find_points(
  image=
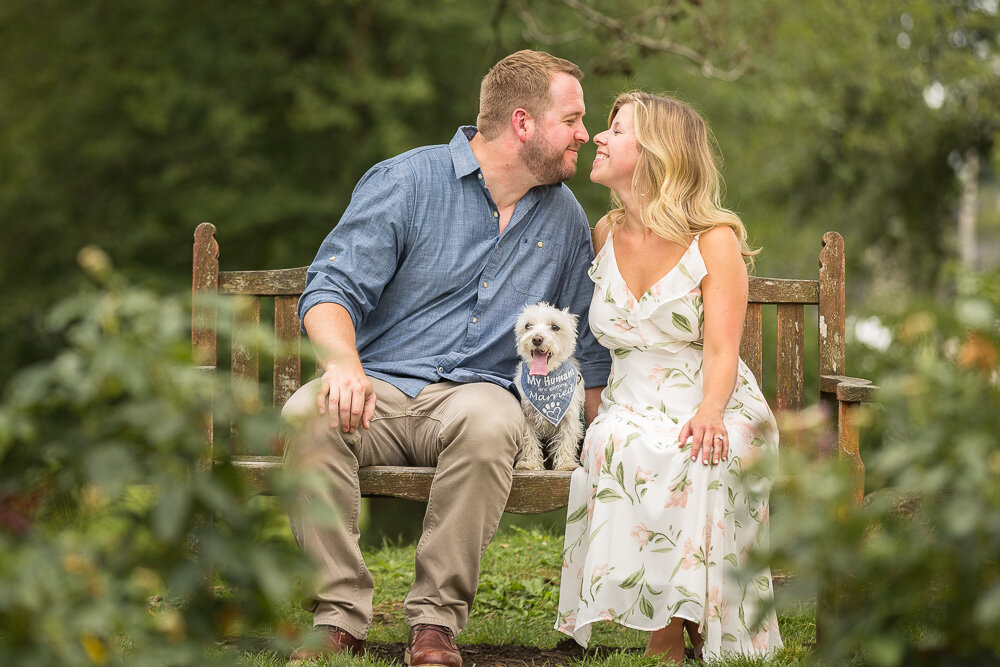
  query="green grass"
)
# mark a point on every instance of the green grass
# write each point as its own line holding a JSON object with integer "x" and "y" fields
{"x": 516, "y": 604}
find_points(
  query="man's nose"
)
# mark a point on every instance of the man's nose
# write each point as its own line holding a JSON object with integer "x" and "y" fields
{"x": 582, "y": 132}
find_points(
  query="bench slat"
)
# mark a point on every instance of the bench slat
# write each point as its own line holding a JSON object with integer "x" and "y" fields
{"x": 245, "y": 359}
{"x": 790, "y": 371}
{"x": 274, "y": 282}
{"x": 777, "y": 290}
{"x": 532, "y": 492}
{"x": 291, "y": 282}
{"x": 288, "y": 343}
{"x": 832, "y": 305}
{"x": 751, "y": 343}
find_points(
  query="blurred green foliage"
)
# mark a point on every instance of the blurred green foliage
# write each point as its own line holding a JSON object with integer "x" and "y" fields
{"x": 915, "y": 570}
{"x": 112, "y": 527}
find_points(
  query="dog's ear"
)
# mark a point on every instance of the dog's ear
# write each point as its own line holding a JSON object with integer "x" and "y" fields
{"x": 575, "y": 317}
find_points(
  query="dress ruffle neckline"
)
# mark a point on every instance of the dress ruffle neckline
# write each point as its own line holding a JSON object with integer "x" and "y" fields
{"x": 685, "y": 276}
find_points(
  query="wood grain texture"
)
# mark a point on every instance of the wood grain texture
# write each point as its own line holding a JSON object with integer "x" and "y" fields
{"x": 750, "y": 345}
{"x": 777, "y": 290}
{"x": 849, "y": 389}
{"x": 532, "y": 492}
{"x": 832, "y": 304}
{"x": 205, "y": 321}
{"x": 288, "y": 348}
{"x": 245, "y": 360}
{"x": 275, "y": 282}
{"x": 207, "y": 459}
{"x": 849, "y": 450}
{"x": 790, "y": 374}
{"x": 204, "y": 292}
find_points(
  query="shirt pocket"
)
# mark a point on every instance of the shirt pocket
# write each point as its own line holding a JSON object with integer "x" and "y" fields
{"x": 538, "y": 267}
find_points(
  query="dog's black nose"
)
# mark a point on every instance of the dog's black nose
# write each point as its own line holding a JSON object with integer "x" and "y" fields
{"x": 536, "y": 340}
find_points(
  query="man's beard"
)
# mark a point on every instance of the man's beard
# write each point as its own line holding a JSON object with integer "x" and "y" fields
{"x": 545, "y": 165}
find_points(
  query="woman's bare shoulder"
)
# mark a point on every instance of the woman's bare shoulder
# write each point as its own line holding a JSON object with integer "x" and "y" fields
{"x": 601, "y": 230}
{"x": 719, "y": 242}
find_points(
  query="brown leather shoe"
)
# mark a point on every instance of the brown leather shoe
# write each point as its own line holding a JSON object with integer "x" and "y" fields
{"x": 335, "y": 640}
{"x": 432, "y": 646}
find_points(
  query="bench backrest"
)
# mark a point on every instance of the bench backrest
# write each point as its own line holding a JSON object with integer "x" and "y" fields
{"x": 827, "y": 292}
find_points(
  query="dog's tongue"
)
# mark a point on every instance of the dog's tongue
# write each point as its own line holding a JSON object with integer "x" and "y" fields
{"x": 539, "y": 363}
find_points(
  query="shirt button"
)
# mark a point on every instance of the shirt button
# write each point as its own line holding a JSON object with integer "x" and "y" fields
{"x": 440, "y": 369}
{"x": 495, "y": 214}
{"x": 539, "y": 244}
{"x": 480, "y": 177}
{"x": 474, "y": 320}
{"x": 485, "y": 284}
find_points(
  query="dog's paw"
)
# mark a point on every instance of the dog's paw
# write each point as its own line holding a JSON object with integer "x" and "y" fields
{"x": 568, "y": 465}
{"x": 529, "y": 465}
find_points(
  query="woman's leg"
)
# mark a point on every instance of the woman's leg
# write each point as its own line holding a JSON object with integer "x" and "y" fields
{"x": 668, "y": 642}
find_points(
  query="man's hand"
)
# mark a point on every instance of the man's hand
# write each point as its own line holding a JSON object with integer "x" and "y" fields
{"x": 345, "y": 392}
{"x": 348, "y": 396}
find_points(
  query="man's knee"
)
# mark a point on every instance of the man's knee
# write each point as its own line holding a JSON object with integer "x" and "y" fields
{"x": 487, "y": 419}
{"x": 306, "y": 433}
{"x": 300, "y": 408}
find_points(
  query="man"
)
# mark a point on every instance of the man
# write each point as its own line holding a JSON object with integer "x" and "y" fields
{"x": 410, "y": 305}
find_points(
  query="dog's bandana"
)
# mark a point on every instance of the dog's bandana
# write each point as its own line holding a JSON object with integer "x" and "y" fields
{"x": 549, "y": 394}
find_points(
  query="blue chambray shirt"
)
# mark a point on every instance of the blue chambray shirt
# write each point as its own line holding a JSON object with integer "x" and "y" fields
{"x": 431, "y": 287}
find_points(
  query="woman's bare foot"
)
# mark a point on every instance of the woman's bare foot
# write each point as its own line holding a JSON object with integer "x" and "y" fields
{"x": 668, "y": 642}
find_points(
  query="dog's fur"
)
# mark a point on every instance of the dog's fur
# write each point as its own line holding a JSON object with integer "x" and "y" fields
{"x": 549, "y": 330}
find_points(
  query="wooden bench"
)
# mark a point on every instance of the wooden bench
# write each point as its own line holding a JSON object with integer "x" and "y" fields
{"x": 533, "y": 492}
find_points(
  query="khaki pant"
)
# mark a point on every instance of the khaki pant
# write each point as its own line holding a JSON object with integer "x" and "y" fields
{"x": 469, "y": 432}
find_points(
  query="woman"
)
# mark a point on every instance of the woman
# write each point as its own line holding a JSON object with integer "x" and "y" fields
{"x": 660, "y": 517}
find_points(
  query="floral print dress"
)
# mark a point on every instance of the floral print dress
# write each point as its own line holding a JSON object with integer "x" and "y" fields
{"x": 651, "y": 534}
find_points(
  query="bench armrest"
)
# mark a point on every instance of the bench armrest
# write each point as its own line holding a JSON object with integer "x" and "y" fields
{"x": 848, "y": 389}
{"x": 850, "y": 393}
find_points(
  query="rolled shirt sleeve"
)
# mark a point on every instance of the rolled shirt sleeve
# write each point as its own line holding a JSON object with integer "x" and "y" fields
{"x": 359, "y": 256}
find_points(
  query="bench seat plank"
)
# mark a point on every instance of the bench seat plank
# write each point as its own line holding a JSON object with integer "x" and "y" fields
{"x": 533, "y": 492}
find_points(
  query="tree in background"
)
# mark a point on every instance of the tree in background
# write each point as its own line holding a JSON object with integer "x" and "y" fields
{"x": 126, "y": 124}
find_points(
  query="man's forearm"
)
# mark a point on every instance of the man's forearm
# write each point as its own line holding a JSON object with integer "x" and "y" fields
{"x": 331, "y": 332}
{"x": 345, "y": 392}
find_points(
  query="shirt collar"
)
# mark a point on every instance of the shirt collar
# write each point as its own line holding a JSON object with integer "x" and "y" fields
{"x": 461, "y": 152}
{"x": 465, "y": 161}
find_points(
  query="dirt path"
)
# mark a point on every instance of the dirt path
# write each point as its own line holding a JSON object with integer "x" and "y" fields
{"x": 508, "y": 655}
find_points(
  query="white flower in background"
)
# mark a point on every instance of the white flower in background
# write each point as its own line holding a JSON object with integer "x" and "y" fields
{"x": 871, "y": 332}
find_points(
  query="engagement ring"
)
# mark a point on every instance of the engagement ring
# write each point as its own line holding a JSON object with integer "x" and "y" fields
{"x": 719, "y": 436}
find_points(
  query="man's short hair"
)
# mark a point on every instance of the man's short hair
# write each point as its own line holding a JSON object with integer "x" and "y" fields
{"x": 522, "y": 80}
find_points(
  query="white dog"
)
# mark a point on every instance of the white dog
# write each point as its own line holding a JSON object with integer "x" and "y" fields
{"x": 551, "y": 387}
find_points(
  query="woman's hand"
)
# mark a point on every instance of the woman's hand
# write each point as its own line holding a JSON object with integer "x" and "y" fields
{"x": 709, "y": 438}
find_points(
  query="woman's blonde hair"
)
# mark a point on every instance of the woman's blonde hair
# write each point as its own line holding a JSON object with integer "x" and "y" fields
{"x": 677, "y": 175}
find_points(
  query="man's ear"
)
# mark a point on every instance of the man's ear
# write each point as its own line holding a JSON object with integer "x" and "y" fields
{"x": 522, "y": 123}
